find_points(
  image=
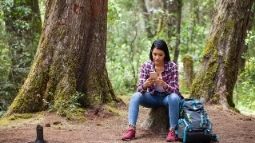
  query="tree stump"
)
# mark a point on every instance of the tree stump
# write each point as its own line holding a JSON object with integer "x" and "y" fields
{"x": 157, "y": 120}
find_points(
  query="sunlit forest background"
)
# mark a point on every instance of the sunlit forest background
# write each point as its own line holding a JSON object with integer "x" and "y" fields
{"x": 132, "y": 26}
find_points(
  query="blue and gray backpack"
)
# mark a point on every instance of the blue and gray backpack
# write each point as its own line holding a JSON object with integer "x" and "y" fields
{"x": 194, "y": 125}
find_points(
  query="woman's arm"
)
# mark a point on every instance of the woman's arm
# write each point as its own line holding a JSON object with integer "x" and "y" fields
{"x": 143, "y": 82}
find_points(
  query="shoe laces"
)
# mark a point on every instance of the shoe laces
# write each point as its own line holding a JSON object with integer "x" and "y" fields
{"x": 172, "y": 133}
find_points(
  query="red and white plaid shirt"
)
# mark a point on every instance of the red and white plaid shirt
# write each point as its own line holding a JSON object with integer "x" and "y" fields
{"x": 169, "y": 75}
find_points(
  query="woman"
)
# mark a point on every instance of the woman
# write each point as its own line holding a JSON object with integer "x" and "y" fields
{"x": 158, "y": 86}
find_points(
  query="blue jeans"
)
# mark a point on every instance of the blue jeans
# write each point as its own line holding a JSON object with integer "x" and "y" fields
{"x": 148, "y": 100}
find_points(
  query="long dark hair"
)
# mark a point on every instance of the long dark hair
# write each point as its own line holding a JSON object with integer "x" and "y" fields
{"x": 161, "y": 45}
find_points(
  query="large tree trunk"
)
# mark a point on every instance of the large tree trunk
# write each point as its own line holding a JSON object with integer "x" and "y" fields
{"x": 223, "y": 52}
{"x": 23, "y": 24}
{"x": 70, "y": 60}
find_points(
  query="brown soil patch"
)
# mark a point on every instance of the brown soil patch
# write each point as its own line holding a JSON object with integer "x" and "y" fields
{"x": 231, "y": 127}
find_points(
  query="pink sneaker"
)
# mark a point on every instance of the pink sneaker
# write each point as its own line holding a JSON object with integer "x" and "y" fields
{"x": 128, "y": 135}
{"x": 171, "y": 137}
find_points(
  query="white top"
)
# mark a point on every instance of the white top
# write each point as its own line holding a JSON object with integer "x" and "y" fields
{"x": 159, "y": 88}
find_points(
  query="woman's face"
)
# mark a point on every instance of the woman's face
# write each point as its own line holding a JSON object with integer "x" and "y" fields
{"x": 158, "y": 56}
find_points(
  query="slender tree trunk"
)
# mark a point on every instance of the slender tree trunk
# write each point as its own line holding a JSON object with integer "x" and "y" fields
{"x": 70, "y": 60}
{"x": 146, "y": 18}
{"x": 23, "y": 24}
{"x": 245, "y": 49}
{"x": 178, "y": 31}
{"x": 188, "y": 70}
{"x": 173, "y": 15}
{"x": 194, "y": 18}
{"x": 223, "y": 51}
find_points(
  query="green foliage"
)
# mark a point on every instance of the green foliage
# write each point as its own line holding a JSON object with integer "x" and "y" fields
{"x": 127, "y": 45}
{"x": 196, "y": 22}
{"x": 18, "y": 42}
{"x": 5, "y": 61}
{"x": 70, "y": 108}
{"x": 42, "y": 9}
{"x": 250, "y": 41}
{"x": 244, "y": 92}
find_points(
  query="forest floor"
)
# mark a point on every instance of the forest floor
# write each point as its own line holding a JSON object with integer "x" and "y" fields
{"x": 230, "y": 126}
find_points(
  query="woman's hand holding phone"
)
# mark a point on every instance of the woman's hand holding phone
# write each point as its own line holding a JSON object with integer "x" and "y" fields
{"x": 148, "y": 83}
{"x": 154, "y": 79}
{"x": 153, "y": 75}
{"x": 161, "y": 82}
{"x": 151, "y": 80}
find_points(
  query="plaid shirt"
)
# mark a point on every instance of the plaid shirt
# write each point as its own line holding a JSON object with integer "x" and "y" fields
{"x": 169, "y": 75}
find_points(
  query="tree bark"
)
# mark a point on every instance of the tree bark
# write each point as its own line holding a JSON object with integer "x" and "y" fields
{"x": 195, "y": 19}
{"x": 251, "y": 27}
{"x": 188, "y": 70}
{"x": 173, "y": 22}
{"x": 223, "y": 51}
{"x": 157, "y": 120}
{"x": 146, "y": 18}
{"x": 69, "y": 65}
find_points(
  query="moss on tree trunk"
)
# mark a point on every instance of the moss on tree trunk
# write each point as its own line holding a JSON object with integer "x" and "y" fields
{"x": 222, "y": 54}
{"x": 188, "y": 70}
{"x": 69, "y": 65}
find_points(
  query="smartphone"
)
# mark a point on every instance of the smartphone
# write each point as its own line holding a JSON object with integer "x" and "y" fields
{"x": 153, "y": 75}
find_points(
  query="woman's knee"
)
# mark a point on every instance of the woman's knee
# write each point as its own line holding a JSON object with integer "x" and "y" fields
{"x": 136, "y": 97}
{"x": 173, "y": 97}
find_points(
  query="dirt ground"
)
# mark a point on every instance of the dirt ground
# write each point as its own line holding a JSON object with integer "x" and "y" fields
{"x": 231, "y": 127}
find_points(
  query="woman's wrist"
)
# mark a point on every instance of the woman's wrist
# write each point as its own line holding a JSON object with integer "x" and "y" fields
{"x": 144, "y": 87}
{"x": 165, "y": 86}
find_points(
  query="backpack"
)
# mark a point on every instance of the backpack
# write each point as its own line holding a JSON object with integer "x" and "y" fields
{"x": 194, "y": 125}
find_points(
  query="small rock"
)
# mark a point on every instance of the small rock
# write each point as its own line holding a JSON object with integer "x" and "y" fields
{"x": 47, "y": 125}
{"x": 56, "y": 122}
